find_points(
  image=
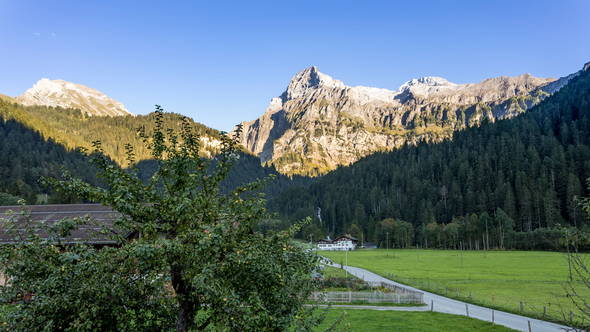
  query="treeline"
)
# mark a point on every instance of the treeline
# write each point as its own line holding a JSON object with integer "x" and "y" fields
{"x": 473, "y": 232}
{"x": 531, "y": 167}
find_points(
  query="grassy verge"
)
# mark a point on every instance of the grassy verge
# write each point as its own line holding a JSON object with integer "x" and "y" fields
{"x": 506, "y": 280}
{"x": 332, "y": 272}
{"x": 378, "y": 321}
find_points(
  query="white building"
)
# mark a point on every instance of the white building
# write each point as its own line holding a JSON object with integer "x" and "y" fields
{"x": 344, "y": 242}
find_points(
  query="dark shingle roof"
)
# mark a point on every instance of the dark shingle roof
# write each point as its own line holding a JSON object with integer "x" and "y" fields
{"x": 102, "y": 216}
{"x": 345, "y": 237}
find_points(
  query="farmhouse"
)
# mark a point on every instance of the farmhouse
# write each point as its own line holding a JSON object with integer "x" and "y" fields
{"x": 98, "y": 228}
{"x": 343, "y": 242}
{"x": 17, "y": 222}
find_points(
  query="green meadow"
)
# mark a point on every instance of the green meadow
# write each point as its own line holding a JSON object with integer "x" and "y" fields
{"x": 507, "y": 280}
{"x": 383, "y": 321}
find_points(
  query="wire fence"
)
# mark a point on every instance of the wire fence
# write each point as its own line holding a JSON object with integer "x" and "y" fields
{"x": 368, "y": 297}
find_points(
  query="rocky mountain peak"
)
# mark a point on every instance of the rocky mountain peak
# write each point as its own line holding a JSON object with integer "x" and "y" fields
{"x": 60, "y": 93}
{"x": 309, "y": 79}
{"x": 319, "y": 123}
{"x": 426, "y": 85}
{"x": 428, "y": 81}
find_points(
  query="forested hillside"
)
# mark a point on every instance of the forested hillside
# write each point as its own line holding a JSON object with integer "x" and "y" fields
{"x": 504, "y": 184}
{"x": 74, "y": 129}
{"x": 27, "y": 156}
{"x": 38, "y": 141}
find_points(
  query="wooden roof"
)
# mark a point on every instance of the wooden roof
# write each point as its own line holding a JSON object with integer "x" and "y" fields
{"x": 101, "y": 216}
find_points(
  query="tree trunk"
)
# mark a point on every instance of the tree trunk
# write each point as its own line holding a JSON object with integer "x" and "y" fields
{"x": 187, "y": 306}
{"x": 185, "y": 318}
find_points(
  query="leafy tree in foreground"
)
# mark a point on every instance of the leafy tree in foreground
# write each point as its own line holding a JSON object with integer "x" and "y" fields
{"x": 196, "y": 264}
{"x": 578, "y": 287}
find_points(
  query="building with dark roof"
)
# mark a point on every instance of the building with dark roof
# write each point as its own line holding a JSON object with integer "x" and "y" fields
{"x": 98, "y": 231}
{"x": 343, "y": 242}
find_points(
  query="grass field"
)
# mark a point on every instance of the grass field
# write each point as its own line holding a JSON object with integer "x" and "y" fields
{"x": 329, "y": 272}
{"x": 383, "y": 321}
{"x": 500, "y": 279}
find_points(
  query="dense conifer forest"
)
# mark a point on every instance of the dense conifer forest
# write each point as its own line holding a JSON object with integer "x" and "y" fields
{"x": 509, "y": 184}
{"x": 27, "y": 156}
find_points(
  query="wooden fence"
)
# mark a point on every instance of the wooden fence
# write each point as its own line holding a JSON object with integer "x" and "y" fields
{"x": 368, "y": 297}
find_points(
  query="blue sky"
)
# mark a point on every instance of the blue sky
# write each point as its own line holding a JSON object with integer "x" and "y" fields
{"x": 221, "y": 62}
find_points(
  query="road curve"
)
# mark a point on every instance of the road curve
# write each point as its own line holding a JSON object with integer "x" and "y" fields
{"x": 451, "y": 306}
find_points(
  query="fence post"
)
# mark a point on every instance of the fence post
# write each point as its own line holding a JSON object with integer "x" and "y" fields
{"x": 466, "y": 309}
{"x": 544, "y": 311}
{"x": 521, "y": 307}
{"x": 530, "y": 329}
{"x": 431, "y": 305}
{"x": 493, "y": 318}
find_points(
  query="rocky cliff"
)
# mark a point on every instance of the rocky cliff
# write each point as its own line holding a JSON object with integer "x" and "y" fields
{"x": 319, "y": 123}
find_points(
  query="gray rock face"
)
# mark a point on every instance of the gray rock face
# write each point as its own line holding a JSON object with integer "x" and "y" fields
{"x": 58, "y": 93}
{"x": 319, "y": 123}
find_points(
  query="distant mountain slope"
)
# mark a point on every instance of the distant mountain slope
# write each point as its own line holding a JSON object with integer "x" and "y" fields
{"x": 74, "y": 129}
{"x": 6, "y": 98}
{"x": 319, "y": 123}
{"x": 59, "y": 93}
{"x": 531, "y": 167}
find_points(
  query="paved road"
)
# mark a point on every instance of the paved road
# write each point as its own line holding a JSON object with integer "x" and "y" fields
{"x": 450, "y": 306}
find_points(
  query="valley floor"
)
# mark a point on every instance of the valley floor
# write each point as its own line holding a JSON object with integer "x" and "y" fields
{"x": 509, "y": 281}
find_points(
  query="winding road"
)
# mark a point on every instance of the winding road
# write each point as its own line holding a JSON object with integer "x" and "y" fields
{"x": 451, "y": 306}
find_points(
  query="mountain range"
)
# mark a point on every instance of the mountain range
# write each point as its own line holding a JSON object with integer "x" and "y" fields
{"x": 318, "y": 123}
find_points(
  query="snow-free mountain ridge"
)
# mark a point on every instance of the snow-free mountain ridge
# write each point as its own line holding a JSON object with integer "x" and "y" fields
{"x": 318, "y": 123}
{"x": 60, "y": 93}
